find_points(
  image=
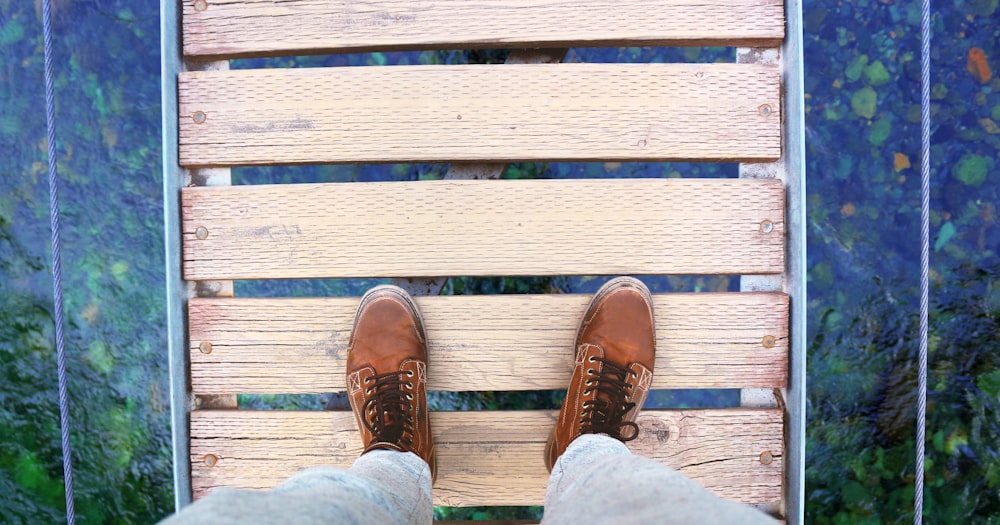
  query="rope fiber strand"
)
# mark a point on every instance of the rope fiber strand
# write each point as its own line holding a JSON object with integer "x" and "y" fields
{"x": 925, "y": 197}
{"x": 57, "y": 293}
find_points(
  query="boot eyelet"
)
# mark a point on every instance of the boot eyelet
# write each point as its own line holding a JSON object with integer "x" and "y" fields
{"x": 409, "y": 397}
{"x": 591, "y": 359}
{"x": 409, "y": 385}
{"x": 409, "y": 373}
{"x": 586, "y": 392}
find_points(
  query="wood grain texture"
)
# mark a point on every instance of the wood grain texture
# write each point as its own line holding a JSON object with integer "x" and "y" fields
{"x": 244, "y": 28}
{"x": 470, "y": 171}
{"x": 494, "y": 113}
{"x": 489, "y": 458}
{"x": 483, "y": 227}
{"x": 499, "y": 342}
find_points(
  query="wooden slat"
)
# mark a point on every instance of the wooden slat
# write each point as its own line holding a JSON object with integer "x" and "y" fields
{"x": 525, "y": 112}
{"x": 500, "y": 342}
{"x": 240, "y": 28}
{"x": 489, "y": 458}
{"x": 484, "y": 227}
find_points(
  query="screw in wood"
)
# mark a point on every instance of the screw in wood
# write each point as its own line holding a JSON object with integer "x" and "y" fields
{"x": 766, "y": 226}
{"x": 765, "y": 110}
{"x": 199, "y": 117}
{"x": 766, "y": 458}
{"x": 210, "y": 460}
{"x": 201, "y": 233}
{"x": 200, "y": 5}
{"x": 766, "y": 342}
{"x": 205, "y": 347}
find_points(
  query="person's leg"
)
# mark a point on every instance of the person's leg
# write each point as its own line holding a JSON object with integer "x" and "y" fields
{"x": 595, "y": 479}
{"x": 598, "y": 480}
{"x": 383, "y": 486}
{"x": 391, "y": 481}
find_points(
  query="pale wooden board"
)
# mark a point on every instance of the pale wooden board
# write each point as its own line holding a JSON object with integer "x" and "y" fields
{"x": 240, "y": 28}
{"x": 499, "y": 342}
{"x": 484, "y": 227}
{"x": 489, "y": 458}
{"x": 496, "y": 113}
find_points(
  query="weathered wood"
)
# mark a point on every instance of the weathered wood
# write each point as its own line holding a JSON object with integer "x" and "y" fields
{"x": 499, "y": 342}
{"x": 495, "y": 113}
{"x": 475, "y": 171}
{"x": 241, "y": 28}
{"x": 489, "y": 458}
{"x": 484, "y": 227}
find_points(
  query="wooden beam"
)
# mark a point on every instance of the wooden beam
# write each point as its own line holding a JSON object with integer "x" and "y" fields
{"x": 484, "y": 227}
{"x": 489, "y": 458}
{"x": 499, "y": 342}
{"x": 486, "y": 113}
{"x": 247, "y": 28}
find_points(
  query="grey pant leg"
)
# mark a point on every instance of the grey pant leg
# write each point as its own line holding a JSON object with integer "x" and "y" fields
{"x": 598, "y": 480}
{"x": 383, "y": 486}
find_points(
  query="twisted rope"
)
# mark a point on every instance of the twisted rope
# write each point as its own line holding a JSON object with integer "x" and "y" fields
{"x": 57, "y": 292}
{"x": 925, "y": 197}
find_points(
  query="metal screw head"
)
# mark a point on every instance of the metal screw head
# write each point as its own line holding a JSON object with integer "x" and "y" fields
{"x": 766, "y": 226}
{"x": 210, "y": 459}
{"x": 201, "y": 233}
{"x": 200, "y": 5}
{"x": 199, "y": 117}
{"x": 766, "y": 342}
{"x": 766, "y": 458}
{"x": 205, "y": 347}
{"x": 765, "y": 110}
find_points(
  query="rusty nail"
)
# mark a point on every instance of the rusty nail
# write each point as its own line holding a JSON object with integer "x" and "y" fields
{"x": 766, "y": 458}
{"x": 766, "y": 226}
{"x": 460, "y": 117}
{"x": 199, "y": 117}
{"x": 766, "y": 342}
{"x": 201, "y": 233}
{"x": 205, "y": 347}
{"x": 764, "y": 110}
{"x": 210, "y": 459}
{"x": 200, "y": 5}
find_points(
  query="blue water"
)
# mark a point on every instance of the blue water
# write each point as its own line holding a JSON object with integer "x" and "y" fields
{"x": 862, "y": 88}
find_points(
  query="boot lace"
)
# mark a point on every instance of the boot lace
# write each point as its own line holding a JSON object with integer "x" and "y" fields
{"x": 387, "y": 408}
{"x": 605, "y": 413}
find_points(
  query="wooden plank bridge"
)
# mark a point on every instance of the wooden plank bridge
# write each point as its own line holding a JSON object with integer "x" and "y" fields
{"x": 479, "y": 117}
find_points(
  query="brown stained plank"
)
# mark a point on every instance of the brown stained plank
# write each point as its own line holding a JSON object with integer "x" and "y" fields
{"x": 241, "y": 28}
{"x": 484, "y": 227}
{"x": 485, "y": 113}
{"x": 489, "y": 458}
{"x": 500, "y": 342}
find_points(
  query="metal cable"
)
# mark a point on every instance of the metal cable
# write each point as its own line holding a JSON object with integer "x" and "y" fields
{"x": 925, "y": 197}
{"x": 57, "y": 293}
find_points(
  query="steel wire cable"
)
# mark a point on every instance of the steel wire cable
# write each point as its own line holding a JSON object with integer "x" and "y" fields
{"x": 57, "y": 289}
{"x": 925, "y": 197}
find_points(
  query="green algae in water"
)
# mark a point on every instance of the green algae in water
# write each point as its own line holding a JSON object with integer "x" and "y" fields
{"x": 856, "y": 67}
{"x": 876, "y": 74}
{"x": 864, "y": 101}
{"x": 971, "y": 169}
{"x": 879, "y": 132}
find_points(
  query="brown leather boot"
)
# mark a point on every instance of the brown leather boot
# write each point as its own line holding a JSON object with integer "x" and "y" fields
{"x": 615, "y": 351}
{"x": 387, "y": 374}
